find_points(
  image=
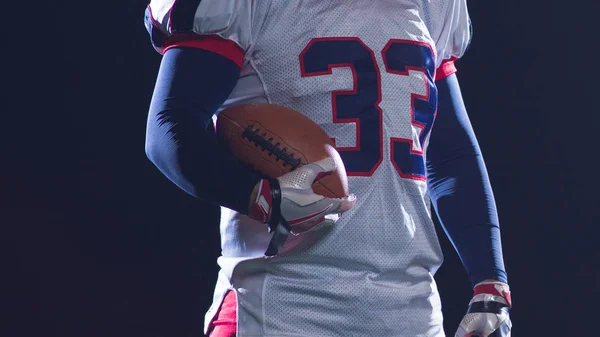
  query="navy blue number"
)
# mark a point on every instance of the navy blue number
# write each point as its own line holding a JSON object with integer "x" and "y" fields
{"x": 361, "y": 105}
{"x": 399, "y": 57}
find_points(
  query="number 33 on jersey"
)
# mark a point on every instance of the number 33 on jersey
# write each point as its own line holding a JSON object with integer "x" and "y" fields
{"x": 361, "y": 105}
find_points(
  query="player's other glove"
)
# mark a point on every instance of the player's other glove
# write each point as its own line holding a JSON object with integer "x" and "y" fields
{"x": 289, "y": 205}
{"x": 488, "y": 313}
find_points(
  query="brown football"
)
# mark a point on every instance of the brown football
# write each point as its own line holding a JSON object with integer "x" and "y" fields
{"x": 275, "y": 140}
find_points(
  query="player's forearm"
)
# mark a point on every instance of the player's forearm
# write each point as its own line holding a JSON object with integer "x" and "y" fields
{"x": 465, "y": 206}
{"x": 198, "y": 166}
{"x": 190, "y": 86}
{"x": 460, "y": 188}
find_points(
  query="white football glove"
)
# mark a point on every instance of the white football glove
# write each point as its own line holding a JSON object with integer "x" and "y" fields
{"x": 289, "y": 205}
{"x": 488, "y": 313}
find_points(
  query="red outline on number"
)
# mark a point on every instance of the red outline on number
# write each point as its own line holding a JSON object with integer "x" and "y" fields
{"x": 413, "y": 96}
{"x": 410, "y": 144}
{"x": 350, "y": 92}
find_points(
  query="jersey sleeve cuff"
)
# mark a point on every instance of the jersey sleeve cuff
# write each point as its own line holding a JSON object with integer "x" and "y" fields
{"x": 445, "y": 69}
{"x": 213, "y": 43}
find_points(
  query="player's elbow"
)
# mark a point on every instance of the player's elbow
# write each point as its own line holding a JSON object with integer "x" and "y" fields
{"x": 152, "y": 152}
{"x": 156, "y": 148}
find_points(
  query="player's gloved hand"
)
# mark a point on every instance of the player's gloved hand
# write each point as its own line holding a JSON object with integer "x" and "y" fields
{"x": 288, "y": 203}
{"x": 488, "y": 313}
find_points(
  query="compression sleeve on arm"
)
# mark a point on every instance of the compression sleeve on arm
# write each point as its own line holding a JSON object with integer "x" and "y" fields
{"x": 460, "y": 188}
{"x": 191, "y": 85}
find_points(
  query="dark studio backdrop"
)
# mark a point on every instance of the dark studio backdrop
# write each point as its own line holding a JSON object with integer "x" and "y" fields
{"x": 104, "y": 246}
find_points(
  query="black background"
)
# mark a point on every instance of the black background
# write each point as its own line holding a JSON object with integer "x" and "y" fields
{"x": 101, "y": 244}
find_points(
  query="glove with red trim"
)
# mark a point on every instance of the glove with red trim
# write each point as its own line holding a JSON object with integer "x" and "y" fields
{"x": 488, "y": 313}
{"x": 289, "y": 205}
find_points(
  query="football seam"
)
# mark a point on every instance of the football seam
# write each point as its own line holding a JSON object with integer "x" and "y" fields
{"x": 253, "y": 135}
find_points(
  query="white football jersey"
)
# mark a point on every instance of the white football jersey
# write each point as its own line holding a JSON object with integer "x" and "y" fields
{"x": 364, "y": 70}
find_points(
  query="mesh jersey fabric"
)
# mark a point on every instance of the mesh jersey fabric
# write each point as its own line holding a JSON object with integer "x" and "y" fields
{"x": 372, "y": 273}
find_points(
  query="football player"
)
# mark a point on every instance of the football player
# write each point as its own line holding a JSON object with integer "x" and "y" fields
{"x": 374, "y": 74}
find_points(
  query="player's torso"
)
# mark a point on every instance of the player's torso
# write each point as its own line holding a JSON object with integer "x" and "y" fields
{"x": 363, "y": 70}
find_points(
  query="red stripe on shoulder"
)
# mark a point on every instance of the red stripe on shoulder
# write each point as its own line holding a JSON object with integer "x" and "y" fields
{"x": 445, "y": 69}
{"x": 213, "y": 43}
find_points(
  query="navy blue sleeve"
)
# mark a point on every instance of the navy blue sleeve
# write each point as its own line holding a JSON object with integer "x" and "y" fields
{"x": 460, "y": 188}
{"x": 191, "y": 85}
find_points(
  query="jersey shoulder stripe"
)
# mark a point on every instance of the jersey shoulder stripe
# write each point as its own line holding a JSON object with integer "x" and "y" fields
{"x": 221, "y": 26}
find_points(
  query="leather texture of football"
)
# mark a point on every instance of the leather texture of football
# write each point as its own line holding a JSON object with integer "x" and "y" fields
{"x": 275, "y": 140}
